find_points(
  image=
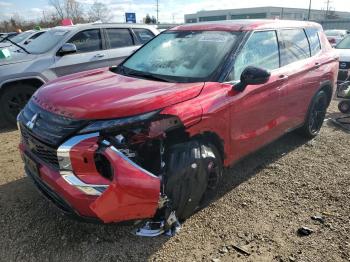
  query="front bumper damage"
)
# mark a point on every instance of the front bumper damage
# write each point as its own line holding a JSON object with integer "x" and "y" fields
{"x": 78, "y": 189}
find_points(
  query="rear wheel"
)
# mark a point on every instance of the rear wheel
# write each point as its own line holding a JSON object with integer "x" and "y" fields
{"x": 316, "y": 115}
{"x": 193, "y": 173}
{"x": 344, "y": 107}
{"x": 12, "y": 101}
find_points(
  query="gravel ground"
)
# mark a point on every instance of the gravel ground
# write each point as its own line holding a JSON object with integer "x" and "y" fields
{"x": 264, "y": 200}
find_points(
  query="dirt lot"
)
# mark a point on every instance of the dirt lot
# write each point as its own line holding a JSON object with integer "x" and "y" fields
{"x": 262, "y": 203}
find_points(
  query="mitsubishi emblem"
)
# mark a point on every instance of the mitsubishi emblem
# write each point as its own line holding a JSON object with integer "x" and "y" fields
{"x": 30, "y": 124}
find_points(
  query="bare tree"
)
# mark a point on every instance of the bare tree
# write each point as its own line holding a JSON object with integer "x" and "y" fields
{"x": 59, "y": 7}
{"x": 99, "y": 11}
{"x": 68, "y": 9}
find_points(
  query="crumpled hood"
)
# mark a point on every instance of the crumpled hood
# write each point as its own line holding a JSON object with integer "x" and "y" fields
{"x": 101, "y": 94}
{"x": 17, "y": 57}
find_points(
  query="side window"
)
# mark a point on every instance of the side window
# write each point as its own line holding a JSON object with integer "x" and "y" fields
{"x": 119, "y": 37}
{"x": 294, "y": 46}
{"x": 87, "y": 41}
{"x": 312, "y": 35}
{"x": 261, "y": 50}
{"x": 35, "y": 35}
{"x": 143, "y": 35}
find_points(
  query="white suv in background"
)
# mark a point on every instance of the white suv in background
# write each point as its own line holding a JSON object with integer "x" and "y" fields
{"x": 61, "y": 51}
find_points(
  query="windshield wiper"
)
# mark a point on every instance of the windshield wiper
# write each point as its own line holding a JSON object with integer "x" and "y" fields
{"x": 14, "y": 43}
{"x": 146, "y": 75}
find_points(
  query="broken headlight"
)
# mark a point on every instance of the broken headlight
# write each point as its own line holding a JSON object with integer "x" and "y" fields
{"x": 112, "y": 124}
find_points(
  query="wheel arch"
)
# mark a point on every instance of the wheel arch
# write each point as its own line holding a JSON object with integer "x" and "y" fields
{"x": 213, "y": 138}
{"x": 33, "y": 81}
{"x": 328, "y": 88}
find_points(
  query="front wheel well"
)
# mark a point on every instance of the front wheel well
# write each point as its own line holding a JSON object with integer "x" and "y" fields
{"x": 329, "y": 92}
{"x": 214, "y": 139}
{"x": 34, "y": 82}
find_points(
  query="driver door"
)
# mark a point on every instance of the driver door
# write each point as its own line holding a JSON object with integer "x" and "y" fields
{"x": 90, "y": 54}
{"x": 256, "y": 112}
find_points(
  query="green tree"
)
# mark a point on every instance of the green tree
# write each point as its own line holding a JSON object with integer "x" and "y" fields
{"x": 148, "y": 19}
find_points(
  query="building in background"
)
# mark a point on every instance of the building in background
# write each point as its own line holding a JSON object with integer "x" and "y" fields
{"x": 270, "y": 12}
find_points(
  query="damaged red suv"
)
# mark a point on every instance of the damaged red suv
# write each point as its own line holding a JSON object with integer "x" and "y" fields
{"x": 149, "y": 139}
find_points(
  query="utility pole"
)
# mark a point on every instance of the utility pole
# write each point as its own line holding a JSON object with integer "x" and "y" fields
{"x": 157, "y": 11}
{"x": 309, "y": 14}
{"x": 328, "y": 2}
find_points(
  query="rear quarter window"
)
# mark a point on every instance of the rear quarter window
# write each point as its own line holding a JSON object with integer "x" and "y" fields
{"x": 294, "y": 46}
{"x": 314, "y": 40}
{"x": 143, "y": 35}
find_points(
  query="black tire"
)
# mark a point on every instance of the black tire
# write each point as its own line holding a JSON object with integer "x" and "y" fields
{"x": 316, "y": 115}
{"x": 12, "y": 101}
{"x": 189, "y": 168}
{"x": 344, "y": 107}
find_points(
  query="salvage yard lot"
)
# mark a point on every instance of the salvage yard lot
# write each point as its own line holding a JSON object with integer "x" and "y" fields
{"x": 264, "y": 200}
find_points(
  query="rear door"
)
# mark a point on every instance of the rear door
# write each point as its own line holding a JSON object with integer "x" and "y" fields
{"x": 303, "y": 73}
{"x": 91, "y": 53}
{"x": 120, "y": 44}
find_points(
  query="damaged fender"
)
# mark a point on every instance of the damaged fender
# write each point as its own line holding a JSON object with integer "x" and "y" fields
{"x": 133, "y": 193}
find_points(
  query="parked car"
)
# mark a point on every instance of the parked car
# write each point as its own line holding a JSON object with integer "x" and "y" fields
{"x": 335, "y": 36}
{"x": 61, "y": 51}
{"x": 150, "y": 138}
{"x": 21, "y": 39}
{"x": 9, "y": 35}
{"x": 343, "y": 50}
{"x": 343, "y": 92}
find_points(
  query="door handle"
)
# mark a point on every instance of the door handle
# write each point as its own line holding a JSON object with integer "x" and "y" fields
{"x": 317, "y": 65}
{"x": 282, "y": 77}
{"x": 99, "y": 55}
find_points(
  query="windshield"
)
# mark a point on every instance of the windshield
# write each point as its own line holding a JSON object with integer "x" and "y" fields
{"x": 344, "y": 44}
{"x": 46, "y": 41}
{"x": 20, "y": 37}
{"x": 184, "y": 56}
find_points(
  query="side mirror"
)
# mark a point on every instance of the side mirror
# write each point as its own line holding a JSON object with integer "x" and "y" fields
{"x": 252, "y": 75}
{"x": 67, "y": 48}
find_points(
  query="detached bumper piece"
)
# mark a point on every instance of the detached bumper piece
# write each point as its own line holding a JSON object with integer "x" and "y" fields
{"x": 156, "y": 228}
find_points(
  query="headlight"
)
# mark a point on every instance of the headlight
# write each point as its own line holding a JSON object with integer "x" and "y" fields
{"x": 110, "y": 125}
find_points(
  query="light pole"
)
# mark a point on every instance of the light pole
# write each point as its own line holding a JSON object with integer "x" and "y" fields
{"x": 309, "y": 14}
{"x": 157, "y": 11}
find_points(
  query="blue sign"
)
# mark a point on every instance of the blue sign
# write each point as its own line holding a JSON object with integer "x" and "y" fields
{"x": 130, "y": 17}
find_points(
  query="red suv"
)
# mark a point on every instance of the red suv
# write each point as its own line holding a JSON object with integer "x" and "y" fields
{"x": 151, "y": 136}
